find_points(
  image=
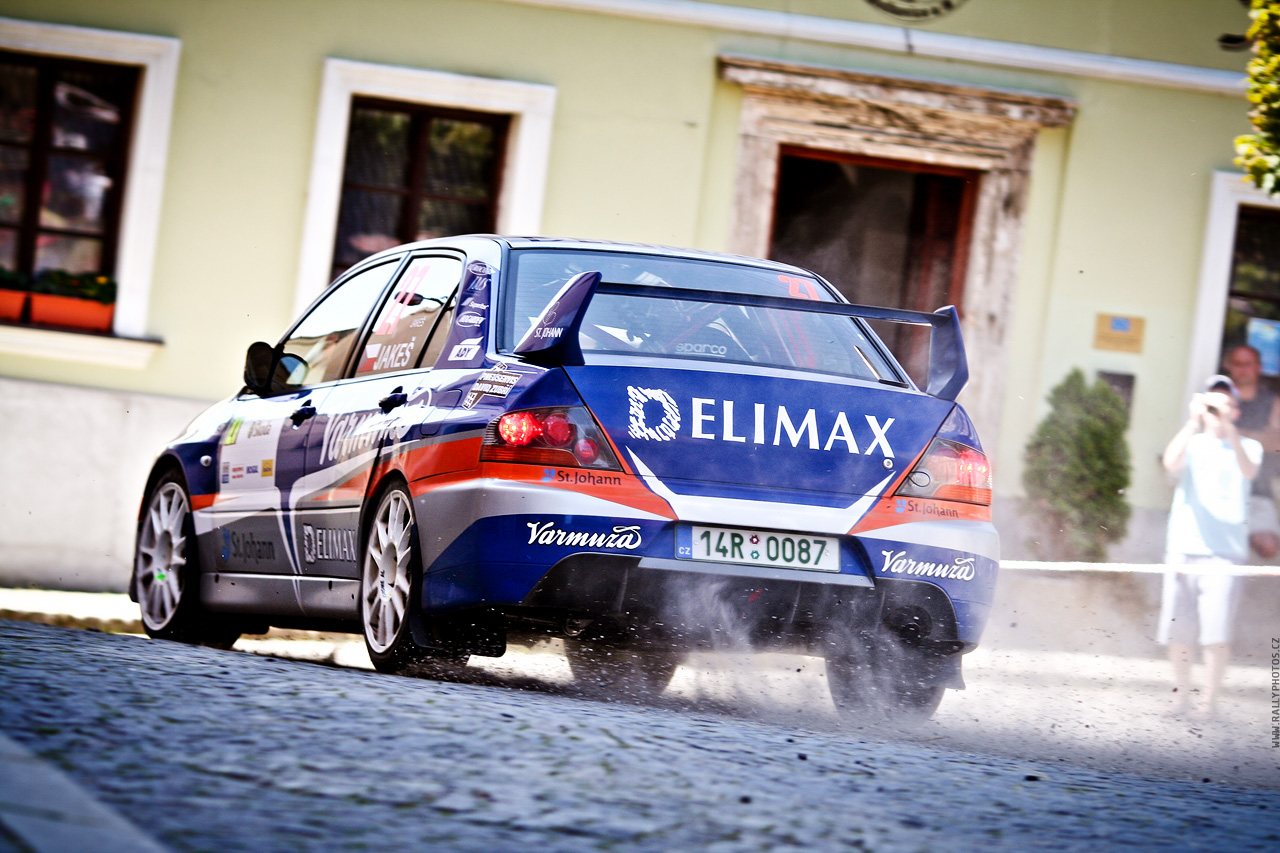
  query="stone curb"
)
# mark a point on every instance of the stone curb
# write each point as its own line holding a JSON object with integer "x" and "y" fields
{"x": 49, "y": 813}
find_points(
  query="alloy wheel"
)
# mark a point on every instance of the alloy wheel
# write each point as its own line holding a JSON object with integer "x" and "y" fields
{"x": 387, "y": 573}
{"x": 162, "y": 556}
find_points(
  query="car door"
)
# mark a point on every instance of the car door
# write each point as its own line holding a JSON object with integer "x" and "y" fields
{"x": 262, "y": 452}
{"x": 388, "y": 393}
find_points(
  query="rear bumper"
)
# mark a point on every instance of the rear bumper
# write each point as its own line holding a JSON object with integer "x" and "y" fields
{"x": 565, "y": 560}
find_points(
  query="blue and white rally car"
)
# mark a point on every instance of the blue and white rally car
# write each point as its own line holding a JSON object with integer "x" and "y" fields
{"x": 642, "y": 451}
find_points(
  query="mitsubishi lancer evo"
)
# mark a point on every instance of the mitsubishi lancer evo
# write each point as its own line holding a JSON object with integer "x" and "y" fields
{"x": 643, "y": 451}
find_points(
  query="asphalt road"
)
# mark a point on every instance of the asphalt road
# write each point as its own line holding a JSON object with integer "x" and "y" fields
{"x": 212, "y": 750}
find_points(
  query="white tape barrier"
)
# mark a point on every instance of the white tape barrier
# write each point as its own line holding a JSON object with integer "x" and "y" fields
{"x": 1148, "y": 568}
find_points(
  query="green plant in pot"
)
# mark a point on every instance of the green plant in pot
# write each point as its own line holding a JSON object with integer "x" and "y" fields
{"x": 76, "y": 301}
{"x": 95, "y": 287}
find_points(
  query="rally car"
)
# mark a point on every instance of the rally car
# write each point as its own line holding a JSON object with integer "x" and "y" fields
{"x": 470, "y": 441}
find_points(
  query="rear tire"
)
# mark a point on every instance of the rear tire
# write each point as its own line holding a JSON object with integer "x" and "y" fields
{"x": 391, "y": 590}
{"x": 645, "y": 673}
{"x": 166, "y": 571}
{"x": 879, "y": 678}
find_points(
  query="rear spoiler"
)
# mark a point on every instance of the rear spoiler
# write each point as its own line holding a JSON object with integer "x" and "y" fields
{"x": 553, "y": 338}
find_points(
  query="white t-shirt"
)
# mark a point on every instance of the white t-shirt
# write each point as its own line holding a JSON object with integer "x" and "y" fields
{"x": 1210, "y": 513}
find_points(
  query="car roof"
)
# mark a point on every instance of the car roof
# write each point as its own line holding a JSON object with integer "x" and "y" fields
{"x": 587, "y": 245}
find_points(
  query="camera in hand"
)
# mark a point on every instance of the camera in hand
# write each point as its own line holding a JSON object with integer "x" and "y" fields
{"x": 1213, "y": 410}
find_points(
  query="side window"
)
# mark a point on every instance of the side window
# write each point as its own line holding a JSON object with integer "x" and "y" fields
{"x": 441, "y": 335}
{"x": 405, "y": 322}
{"x": 323, "y": 340}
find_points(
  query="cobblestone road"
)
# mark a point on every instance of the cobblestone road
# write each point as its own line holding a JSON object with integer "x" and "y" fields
{"x": 210, "y": 750}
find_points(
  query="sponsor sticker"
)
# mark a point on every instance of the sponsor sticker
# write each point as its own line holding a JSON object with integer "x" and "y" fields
{"x": 328, "y": 543}
{"x": 233, "y": 431}
{"x": 654, "y": 415}
{"x": 903, "y": 505}
{"x": 497, "y": 382}
{"x": 246, "y": 548}
{"x": 349, "y": 435}
{"x": 625, "y": 537}
{"x": 469, "y": 320}
{"x": 579, "y": 478}
{"x": 257, "y": 428}
{"x": 268, "y": 467}
{"x": 898, "y": 563}
{"x": 465, "y": 350}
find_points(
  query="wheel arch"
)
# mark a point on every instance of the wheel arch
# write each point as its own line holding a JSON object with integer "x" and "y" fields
{"x": 167, "y": 464}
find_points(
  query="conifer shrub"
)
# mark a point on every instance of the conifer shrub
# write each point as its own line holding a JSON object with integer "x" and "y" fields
{"x": 1076, "y": 473}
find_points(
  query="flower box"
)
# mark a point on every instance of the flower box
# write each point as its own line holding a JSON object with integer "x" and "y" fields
{"x": 11, "y": 304}
{"x": 70, "y": 312}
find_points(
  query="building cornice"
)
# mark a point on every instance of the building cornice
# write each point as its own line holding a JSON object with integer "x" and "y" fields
{"x": 913, "y": 42}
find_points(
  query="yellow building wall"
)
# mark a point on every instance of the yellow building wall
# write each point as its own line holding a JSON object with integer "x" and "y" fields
{"x": 644, "y": 147}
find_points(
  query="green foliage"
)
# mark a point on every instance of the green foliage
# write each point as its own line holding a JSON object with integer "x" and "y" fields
{"x": 1259, "y": 153}
{"x": 1076, "y": 473}
{"x": 11, "y": 280}
{"x": 91, "y": 285}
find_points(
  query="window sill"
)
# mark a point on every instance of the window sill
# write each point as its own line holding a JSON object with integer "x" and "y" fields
{"x": 105, "y": 350}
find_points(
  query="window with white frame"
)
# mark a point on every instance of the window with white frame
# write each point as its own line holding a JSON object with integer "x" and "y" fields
{"x": 106, "y": 112}
{"x": 495, "y": 136}
{"x": 413, "y": 172}
{"x": 1239, "y": 294}
{"x": 64, "y": 136}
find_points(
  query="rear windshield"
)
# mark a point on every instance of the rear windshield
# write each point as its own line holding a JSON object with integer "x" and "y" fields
{"x": 669, "y": 326}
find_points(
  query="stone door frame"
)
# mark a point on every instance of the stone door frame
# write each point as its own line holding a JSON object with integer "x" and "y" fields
{"x": 992, "y": 132}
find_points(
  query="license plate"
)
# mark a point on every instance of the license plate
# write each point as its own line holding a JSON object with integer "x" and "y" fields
{"x": 759, "y": 548}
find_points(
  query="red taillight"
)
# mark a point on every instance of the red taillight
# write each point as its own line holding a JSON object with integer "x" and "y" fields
{"x": 950, "y": 471}
{"x": 519, "y": 429}
{"x": 557, "y": 429}
{"x": 587, "y": 451}
{"x": 561, "y": 437}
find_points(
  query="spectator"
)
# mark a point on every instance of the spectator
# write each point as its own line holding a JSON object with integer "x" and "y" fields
{"x": 1208, "y": 530}
{"x": 1260, "y": 420}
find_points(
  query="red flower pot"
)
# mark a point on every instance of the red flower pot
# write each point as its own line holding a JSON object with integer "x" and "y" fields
{"x": 11, "y": 304}
{"x": 71, "y": 313}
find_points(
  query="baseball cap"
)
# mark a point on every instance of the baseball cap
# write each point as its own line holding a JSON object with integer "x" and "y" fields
{"x": 1219, "y": 382}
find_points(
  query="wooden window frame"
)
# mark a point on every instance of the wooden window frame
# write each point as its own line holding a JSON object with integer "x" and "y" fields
{"x": 415, "y": 192}
{"x": 131, "y": 345}
{"x": 531, "y": 107}
{"x": 42, "y": 149}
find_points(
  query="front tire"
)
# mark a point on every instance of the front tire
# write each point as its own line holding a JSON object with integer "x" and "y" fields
{"x": 390, "y": 589}
{"x": 166, "y": 571}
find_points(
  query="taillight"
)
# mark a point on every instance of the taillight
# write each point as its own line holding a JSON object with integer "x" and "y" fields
{"x": 562, "y": 437}
{"x": 950, "y": 471}
{"x": 519, "y": 429}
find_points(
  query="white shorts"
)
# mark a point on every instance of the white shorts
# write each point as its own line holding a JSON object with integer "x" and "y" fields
{"x": 1198, "y": 608}
{"x": 1262, "y": 519}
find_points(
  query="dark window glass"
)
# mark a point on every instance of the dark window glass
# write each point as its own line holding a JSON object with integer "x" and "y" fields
{"x": 405, "y": 322}
{"x": 883, "y": 232}
{"x": 436, "y": 345}
{"x": 1253, "y": 302}
{"x": 322, "y": 341}
{"x": 667, "y": 325}
{"x": 414, "y": 172}
{"x": 64, "y": 138}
